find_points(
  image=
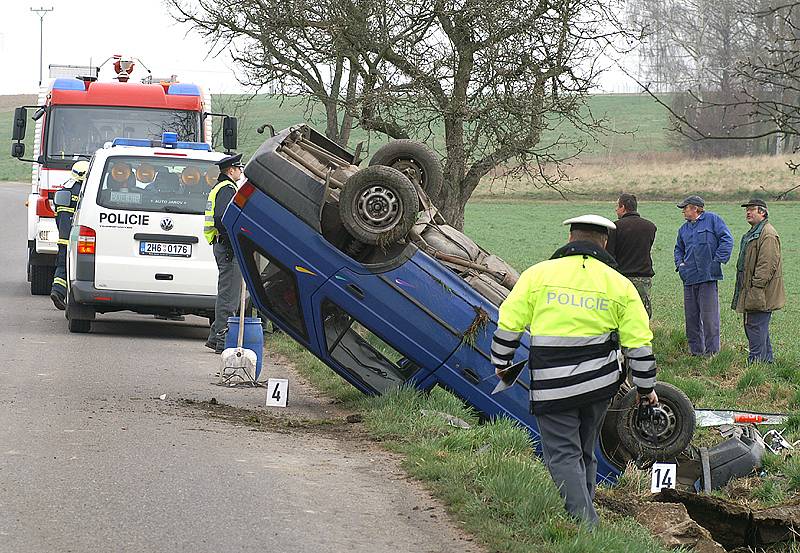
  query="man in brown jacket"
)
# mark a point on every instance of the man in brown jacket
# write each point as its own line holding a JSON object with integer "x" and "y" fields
{"x": 759, "y": 280}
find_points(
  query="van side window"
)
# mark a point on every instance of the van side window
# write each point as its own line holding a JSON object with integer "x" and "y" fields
{"x": 277, "y": 289}
{"x": 361, "y": 352}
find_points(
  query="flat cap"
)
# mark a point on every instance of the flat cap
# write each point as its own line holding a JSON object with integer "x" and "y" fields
{"x": 590, "y": 222}
{"x": 230, "y": 161}
{"x": 758, "y": 202}
{"x": 692, "y": 200}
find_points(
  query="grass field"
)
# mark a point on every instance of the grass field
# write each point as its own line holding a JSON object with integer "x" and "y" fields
{"x": 524, "y": 233}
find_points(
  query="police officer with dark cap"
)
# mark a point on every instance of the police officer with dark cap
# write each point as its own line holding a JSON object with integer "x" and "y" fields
{"x": 229, "y": 281}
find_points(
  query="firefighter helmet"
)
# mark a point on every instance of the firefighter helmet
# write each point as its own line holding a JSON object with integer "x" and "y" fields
{"x": 79, "y": 170}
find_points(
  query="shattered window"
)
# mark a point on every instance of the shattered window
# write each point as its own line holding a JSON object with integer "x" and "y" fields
{"x": 364, "y": 354}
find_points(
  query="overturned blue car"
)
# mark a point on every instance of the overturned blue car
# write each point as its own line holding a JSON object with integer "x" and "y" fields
{"x": 360, "y": 268}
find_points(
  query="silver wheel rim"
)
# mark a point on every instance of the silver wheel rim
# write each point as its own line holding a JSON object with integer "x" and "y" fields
{"x": 378, "y": 208}
{"x": 662, "y": 432}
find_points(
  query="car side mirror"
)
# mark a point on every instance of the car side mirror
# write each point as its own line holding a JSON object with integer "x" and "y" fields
{"x": 20, "y": 125}
{"x": 229, "y": 133}
{"x": 17, "y": 149}
{"x": 62, "y": 198}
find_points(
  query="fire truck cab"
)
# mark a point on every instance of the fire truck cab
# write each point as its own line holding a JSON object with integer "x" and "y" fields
{"x": 77, "y": 115}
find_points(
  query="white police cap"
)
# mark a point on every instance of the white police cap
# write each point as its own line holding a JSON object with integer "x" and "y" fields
{"x": 591, "y": 221}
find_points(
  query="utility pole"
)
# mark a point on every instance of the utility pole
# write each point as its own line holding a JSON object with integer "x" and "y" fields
{"x": 41, "y": 12}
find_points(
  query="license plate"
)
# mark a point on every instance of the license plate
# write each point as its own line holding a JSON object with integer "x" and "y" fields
{"x": 165, "y": 248}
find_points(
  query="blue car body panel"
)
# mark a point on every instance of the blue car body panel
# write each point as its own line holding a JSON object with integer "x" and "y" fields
{"x": 420, "y": 307}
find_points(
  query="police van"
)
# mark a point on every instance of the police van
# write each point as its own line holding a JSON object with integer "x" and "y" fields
{"x": 137, "y": 235}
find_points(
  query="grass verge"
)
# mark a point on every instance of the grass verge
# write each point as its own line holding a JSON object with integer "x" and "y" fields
{"x": 487, "y": 475}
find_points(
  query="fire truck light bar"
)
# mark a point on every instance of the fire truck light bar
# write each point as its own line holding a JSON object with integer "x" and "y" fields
{"x": 68, "y": 84}
{"x": 183, "y": 89}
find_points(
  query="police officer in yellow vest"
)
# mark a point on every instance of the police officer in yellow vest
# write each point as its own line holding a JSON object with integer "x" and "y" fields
{"x": 64, "y": 215}
{"x": 581, "y": 312}
{"x": 229, "y": 281}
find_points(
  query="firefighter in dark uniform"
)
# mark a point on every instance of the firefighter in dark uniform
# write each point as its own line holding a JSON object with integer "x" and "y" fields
{"x": 229, "y": 280}
{"x": 64, "y": 214}
{"x": 582, "y": 316}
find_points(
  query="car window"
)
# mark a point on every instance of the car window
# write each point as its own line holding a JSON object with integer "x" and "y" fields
{"x": 171, "y": 185}
{"x": 277, "y": 289}
{"x": 362, "y": 352}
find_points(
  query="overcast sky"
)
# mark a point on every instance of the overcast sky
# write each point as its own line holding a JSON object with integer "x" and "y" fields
{"x": 78, "y": 31}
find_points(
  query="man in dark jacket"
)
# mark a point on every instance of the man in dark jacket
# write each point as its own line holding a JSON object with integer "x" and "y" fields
{"x": 759, "y": 280}
{"x": 630, "y": 245}
{"x": 704, "y": 243}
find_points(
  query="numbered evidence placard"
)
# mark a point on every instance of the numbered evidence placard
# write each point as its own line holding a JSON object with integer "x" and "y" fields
{"x": 663, "y": 476}
{"x": 277, "y": 392}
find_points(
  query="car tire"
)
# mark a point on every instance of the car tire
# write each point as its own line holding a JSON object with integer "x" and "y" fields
{"x": 41, "y": 279}
{"x": 677, "y": 435}
{"x": 76, "y": 325}
{"x": 378, "y": 205}
{"x": 79, "y": 326}
{"x": 416, "y": 160}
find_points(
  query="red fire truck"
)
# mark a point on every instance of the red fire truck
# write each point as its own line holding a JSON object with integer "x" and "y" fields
{"x": 79, "y": 114}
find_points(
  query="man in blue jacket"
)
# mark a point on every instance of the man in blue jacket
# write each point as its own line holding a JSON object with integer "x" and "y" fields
{"x": 704, "y": 244}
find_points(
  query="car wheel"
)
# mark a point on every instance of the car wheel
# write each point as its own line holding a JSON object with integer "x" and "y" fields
{"x": 41, "y": 279}
{"x": 378, "y": 205}
{"x": 74, "y": 324}
{"x": 417, "y": 161}
{"x": 669, "y": 434}
{"x": 81, "y": 326}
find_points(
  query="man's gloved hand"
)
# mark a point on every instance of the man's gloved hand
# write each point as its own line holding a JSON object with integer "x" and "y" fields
{"x": 651, "y": 398}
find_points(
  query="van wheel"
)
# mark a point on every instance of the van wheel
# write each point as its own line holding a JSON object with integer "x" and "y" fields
{"x": 80, "y": 326}
{"x": 378, "y": 205}
{"x": 670, "y": 434}
{"x": 416, "y": 160}
{"x": 75, "y": 324}
{"x": 41, "y": 279}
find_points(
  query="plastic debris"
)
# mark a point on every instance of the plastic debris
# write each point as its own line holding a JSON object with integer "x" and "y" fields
{"x": 451, "y": 420}
{"x": 712, "y": 417}
{"x": 776, "y": 443}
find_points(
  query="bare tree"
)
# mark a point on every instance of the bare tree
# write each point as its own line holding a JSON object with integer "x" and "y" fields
{"x": 491, "y": 77}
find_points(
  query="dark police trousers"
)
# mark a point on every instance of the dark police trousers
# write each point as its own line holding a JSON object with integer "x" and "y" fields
{"x": 568, "y": 441}
{"x": 229, "y": 286}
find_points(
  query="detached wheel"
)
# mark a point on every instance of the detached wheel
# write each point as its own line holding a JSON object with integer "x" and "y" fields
{"x": 416, "y": 160}
{"x": 378, "y": 205}
{"x": 668, "y": 433}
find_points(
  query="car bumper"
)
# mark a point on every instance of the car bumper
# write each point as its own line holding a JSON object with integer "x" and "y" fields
{"x": 84, "y": 292}
{"x": 46, "y": 237}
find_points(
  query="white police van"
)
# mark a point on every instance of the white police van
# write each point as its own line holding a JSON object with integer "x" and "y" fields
{"x": 137, "y": 235}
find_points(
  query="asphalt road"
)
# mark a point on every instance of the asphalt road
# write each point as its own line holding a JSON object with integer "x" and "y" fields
{"x": 91, "y": 459}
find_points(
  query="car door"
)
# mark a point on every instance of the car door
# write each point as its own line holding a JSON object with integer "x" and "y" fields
{"x": 381, "y": 328}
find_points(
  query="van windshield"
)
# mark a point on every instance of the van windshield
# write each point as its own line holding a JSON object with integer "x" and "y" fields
{"x": 171, "y": 185}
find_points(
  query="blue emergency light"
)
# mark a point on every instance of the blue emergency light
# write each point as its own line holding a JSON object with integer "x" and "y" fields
{"x": 64, "y": 83}
{"x": 168, "y": 140}
{"x": 183, "y": 89}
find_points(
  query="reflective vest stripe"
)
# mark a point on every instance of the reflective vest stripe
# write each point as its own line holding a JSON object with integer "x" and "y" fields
{"x": 582, "y": 368}
{"x": 570, "y": 341}
{"x": 63, "y": 242}
{"x": 60, "y": 281}
{"x": 567, "y": 392}
{"x": 209, "y": 230}
{"x": 642, "y": 363}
